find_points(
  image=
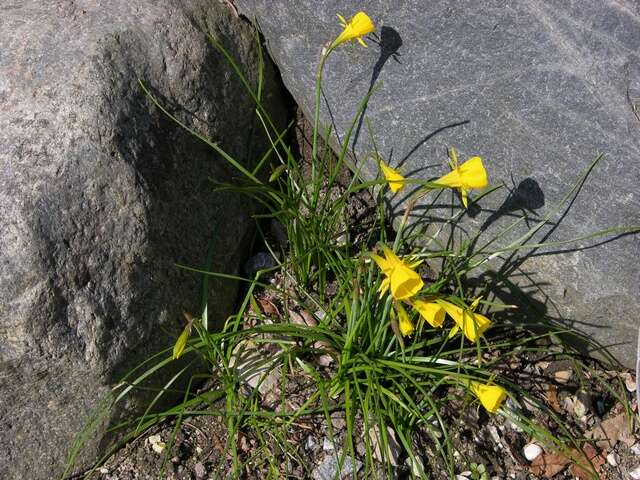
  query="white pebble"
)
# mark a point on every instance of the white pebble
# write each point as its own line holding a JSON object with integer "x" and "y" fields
{"x": 635, "y": 473}
{"x": 159, "y": 447}
{"x": 327, "y": 445}
{"x": 532, "y": 451}
{"x": 495, "y": 436}
{"x": 579, "y": 408}
{"x": 636, "y": 449}
{"x": 157, "y": 444}
{"x": 612, "y": 459}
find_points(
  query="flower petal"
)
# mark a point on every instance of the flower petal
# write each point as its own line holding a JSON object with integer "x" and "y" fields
{"x": 473, "y": 325}
{"x": 404, "y": 322}
{"x": 359, "y": 25}
{"x": 431, "y": 312}
{"x": 491, "y": 396}
{"x": 451, "y": 179}
{"x": 392, "y": 259}
{"x": 405, "y": 283}
{"x": 395, "y": 180}
{"x": 473, "y": 173}
{"x": 464, "y": 193}
{"x": 384, "y": 286}
{"x": 383, "y": 263}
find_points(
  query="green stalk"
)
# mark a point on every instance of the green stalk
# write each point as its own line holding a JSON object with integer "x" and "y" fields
{"x": 316, "y": 116}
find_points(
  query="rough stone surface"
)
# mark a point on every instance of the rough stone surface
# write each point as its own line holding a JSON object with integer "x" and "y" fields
{"x": 537, "y": 89}
{"x": 101, "y": 195}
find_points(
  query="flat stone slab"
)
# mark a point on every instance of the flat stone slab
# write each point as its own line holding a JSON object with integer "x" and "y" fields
{"x": 537, "y": 89}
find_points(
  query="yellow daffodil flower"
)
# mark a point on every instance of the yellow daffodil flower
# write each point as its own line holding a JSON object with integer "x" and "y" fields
{"x": 491, "y": 396}
{"x": 471, "y": 174}
{"x": 181, "y": 343}
{"x": 404, "y": 322}
{"x": 473, "y": 325}
{"x": 400, "y": 278}
{"x": 393, "y": 177}
{"x": 359, "y": 26}
{"x": 431, "y": 312}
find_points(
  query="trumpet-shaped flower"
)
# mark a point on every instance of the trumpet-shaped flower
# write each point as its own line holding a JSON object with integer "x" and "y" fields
{"x": 393, "y": 177}
{"x": 400, "y": 278}
{"x": 359, "y": 25}
{"x": 471, "y": 174}
{"x": 404, "y": 322}
{"x": 431, "y": 312}
{"x": 473, "y": 325}
{"x": 491, "y": 396}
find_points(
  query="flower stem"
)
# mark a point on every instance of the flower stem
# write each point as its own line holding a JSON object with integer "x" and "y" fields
{"x": 316, "y": 117}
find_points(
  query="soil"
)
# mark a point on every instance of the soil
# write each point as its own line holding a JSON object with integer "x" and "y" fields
{"x": 482, "y": 442}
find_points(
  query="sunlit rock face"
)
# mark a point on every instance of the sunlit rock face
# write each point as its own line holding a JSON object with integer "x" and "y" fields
{"x": 537, "y": 89}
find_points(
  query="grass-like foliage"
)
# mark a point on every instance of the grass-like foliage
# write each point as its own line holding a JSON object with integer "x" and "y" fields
{"x": 382, "y": 326}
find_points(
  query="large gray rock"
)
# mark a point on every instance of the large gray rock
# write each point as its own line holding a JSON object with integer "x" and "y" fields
{"x": 537, "y": 89}
{"x": 101, "y": 196}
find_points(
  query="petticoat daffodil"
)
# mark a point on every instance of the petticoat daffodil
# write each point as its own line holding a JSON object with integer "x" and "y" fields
{"x": 473, "y": 325}
{"x": 491, "y": 396}
{"x": 471, "y": 174}
{"x": 359, "y": 25}
{"x": 404, "y": 322}
{"x": 393, "y": 177}
{"x": 431, "y": 312}
{"x": 400, "y": 278}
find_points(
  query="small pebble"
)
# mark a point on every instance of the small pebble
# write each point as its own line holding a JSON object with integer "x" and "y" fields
{"x": 199, "y": 470}
{"x": 157, "y": 444}
{"x": 310, "y": 443}
{"x": 104, "y": 471}
{"x": 629, "y": 381}
{"x": 568, "y": 403}
{"x": 636, "y": 448}
{"x": 158, "y": 447}
{"x": 563, "y": 376}
{"x": 338, "y": 421}
{"x": 612, "y": 459}
{"x": 329, "y": 469}
{"x": 542, "y": 366}
{"x": 635, "y": 473}
{"x": 532, "y": 451}
{"x": 327, "y": 445}
{"x": 495, "y": 436}
{"x": 579, "y": 408}
{"x": 416, "y": 468}
{"x": 324, "y": 360}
